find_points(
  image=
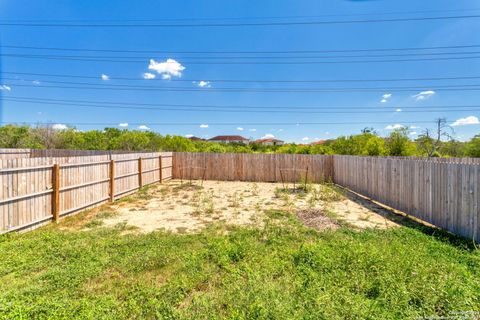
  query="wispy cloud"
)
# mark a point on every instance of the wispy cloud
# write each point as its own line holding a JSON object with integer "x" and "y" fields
{"x": 394, "y": 126}
{"x": 148, "y": 76}
{"x": 305, "y": 138}
{"x": 466, "y": 121}
{"x": 252, "y": 130}
{"x": 203, "y": 126}
{"x": 385, "y": 97}
{"x": 398, "y": 110}
{"x": 203, "y": 84}
{"x": 123, "y": 124}
{"x": 5, "y": 87}
{"x": 105, "y": 77}
{"x": 424, "y": 95}
{"x": 36, "y": 82}
{"x": 413, "y": 133}
{"x": 268, "y": 136}
{"x": 168, "y": 68}
{"x": 143, "y": 127}
{"x": 59, "y": 126}
{"x": 188, "y": 135}
{"x": 240, "y": 129}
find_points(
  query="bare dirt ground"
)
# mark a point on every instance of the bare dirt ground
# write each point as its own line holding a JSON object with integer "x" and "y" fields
{"x": 178, "y": 207}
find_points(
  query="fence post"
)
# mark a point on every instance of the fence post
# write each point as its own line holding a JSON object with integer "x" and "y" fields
{"x": 56, "y": 192}
{"x": 140, "y": 180}
{"x": 112, "y": 181}
{"x": 161, "y": 167}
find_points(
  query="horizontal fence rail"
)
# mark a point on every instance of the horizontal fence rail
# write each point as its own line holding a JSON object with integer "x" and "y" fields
{"x": 252, "y": 167}
{"x": 36, "y": 190}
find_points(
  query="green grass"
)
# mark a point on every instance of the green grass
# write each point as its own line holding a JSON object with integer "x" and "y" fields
{"x": 281, "y": 271}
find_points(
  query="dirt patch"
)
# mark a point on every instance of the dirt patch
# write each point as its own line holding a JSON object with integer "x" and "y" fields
{"x": 316, "y": 219}
{"x": 181, "y": 208}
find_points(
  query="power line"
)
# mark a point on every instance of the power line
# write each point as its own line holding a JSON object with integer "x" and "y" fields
{"x": 86, "y": 59}
{"x": 235, "y": 24}
{"x": 243, "y": 52}
{"x": 215, "y": 106}
{"x": 95, "y": 86}
{"x": 213, "y": 124}
{"x": 475, "y": 108}
{"x": 249, "y": 80}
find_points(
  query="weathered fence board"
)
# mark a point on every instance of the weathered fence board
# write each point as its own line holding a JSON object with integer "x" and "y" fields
{"x": 444, "y": 194}
{"x": 252, "y": 167}
{"x": 27, "y": 184}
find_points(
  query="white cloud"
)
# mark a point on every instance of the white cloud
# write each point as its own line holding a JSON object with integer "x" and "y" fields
{"x": 414, "y": 127}
{"x": 148, "y": 76}
{"x": 5, "y": 87}
{"x": 105, "y": 77}
{"x": 204, "y": 126}
{"x": 143, "y": 127}
{"x": 385, "y": 97}
{"x": 36, "y": 82}
{"x": 305, "y": 138}
{"x": 268, "y": 136}
{"x": 413, "y": 133}
{"x": 398, "y": 110}
{"x": 252, "y": 130}
{"x": 123, "y": 124}
{"x": 167, "y": 68}
{"x": 189, "y": 135}
{"x": 394, "y": 126}
{"x": 424, "y": 95}
{"x": 466, "y": 121}
{"x": 240, "y": 129}
{"x": 59, "y": 126}
{"x": 203, "y": 84}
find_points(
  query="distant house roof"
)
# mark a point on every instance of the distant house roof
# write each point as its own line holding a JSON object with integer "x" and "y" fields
{"x": 228, "y": 138}
{"x": 268, "y": 140}
{"x": 195, "y": 138}
{"x": 319, "y": 142}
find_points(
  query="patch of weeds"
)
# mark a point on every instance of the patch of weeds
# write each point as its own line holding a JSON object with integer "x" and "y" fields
{"x": 93, "y": 224}
{"x": 234, "y": 200}
{"x": 254, "y": 189}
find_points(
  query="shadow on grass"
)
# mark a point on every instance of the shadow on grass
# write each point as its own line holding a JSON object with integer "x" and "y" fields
{"x": 407, "y": 221}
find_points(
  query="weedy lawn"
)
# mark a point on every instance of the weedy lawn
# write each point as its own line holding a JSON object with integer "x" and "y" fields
{"x": 281, "y": 270}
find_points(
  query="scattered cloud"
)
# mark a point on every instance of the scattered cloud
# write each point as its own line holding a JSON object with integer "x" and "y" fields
{"x": 305, "y": 138}
{"x": 240, "y": 129}
{"x": 414, "y": 127}
{"x": 268, "y": 136}
{"x": 148, "y": 76}
{"x": 59, "y": 126}
{"x": 168, "y": 68}
{"x": 143, "y": 127}
{"x": 413, "y": 133}
{"x": 466, "y": 121}
{"x": 398, "y": 110}
{"x": 36, "y": 82}
{"x": 105, "y": 77}
{"x": 203, "y": 84}
{"x": 252, "y": 130}
{"x": 203, "y": 126}
{"x": 385, "y": 97}
{"x": 394, "y": 126}
{"x": 424, "y": 95}
{"x": 123, "y": 124}
{"x": 188, "y": 135}
{"x": 5, "y": 87}
{"x": 280, "y": 130}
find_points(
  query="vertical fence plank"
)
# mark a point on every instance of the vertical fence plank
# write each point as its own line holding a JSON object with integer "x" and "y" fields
{"x": 56, "y": 192}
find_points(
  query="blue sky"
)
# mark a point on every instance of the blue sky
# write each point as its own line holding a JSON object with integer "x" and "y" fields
{"x": 18, "y": 79}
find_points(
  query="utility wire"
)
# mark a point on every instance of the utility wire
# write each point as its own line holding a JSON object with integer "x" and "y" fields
{"x": 241, "y": 52}
{"x": 215, "y": 106}
{"x": 244, "y": 110}
{"x": 247, "y": 80}
{"x": 234, "y": 24}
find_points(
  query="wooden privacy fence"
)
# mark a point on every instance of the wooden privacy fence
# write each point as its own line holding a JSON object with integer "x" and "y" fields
{"x": 251, "y": 167}
{"x": 36, "y": 190}
{"x": 444, "y": 194}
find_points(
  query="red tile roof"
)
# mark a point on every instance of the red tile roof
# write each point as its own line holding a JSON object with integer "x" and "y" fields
{"x": 268, "y": 140}
{"x": 319, "y": 142}
{"x": 228, "y": 138}
{"x": 195, "y": 138}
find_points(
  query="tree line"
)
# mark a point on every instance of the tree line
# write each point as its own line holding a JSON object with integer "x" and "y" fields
{"x": 431, "y": 143}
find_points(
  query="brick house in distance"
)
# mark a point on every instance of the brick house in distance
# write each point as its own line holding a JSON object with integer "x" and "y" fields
{"x": 269, "y": 142}
{"x": 230, "y": 139}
